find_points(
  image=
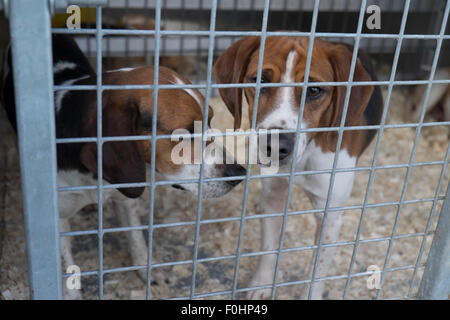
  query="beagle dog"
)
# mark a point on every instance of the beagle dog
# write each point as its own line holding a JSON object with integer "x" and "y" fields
{"x": 124, "y": 113}
{"x": 278, "y": 108}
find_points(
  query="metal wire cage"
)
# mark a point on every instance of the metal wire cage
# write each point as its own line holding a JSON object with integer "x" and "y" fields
{"x": 188, "y": 36}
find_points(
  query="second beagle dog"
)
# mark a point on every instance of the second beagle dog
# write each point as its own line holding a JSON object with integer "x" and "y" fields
{"x": 125, "y": 113}
{"x": 285, "y": 62}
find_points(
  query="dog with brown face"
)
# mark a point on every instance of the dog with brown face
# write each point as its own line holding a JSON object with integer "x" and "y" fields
{"x": 278, "y": 108}
{"x": 124, "y": 113}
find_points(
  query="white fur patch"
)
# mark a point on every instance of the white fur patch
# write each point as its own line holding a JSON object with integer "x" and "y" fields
{"x": 285, "y": 114}
{"x": 121, "y": 69}
{"x": 194, "y": 94}
{"x": 315, "y": 159}
{"x": 59, "y": 95}
{"x": 71, "y": 202}
{"x": 63, "y": 65}
{"x": 210, "y": 170}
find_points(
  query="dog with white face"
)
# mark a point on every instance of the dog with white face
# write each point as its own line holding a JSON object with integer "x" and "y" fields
{"x": 278, "y": 108}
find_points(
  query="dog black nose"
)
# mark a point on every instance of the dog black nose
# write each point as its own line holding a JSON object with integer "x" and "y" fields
{"x": 234, "y": 170}
{"x": 285, "y": 145}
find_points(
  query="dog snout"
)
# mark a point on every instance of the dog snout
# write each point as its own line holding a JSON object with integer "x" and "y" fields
{"x": 285, "y": 145}
{"x": 234, "y": 170}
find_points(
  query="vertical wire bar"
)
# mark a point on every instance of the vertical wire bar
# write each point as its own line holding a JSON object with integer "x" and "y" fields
{"x": 153, "y": 146}
{"x": 108, "y": 39}
{"x": 252, "y": 128}
{"x": 212, "y": 35}
{"x": 252, "y": 14}
{"x": 297, "y": 135}
{"x": 29, "y": 23}
{"x": 145, "y": 39}
{"x": 99, "y": 36}
{"x": 413, "y": 152}
{"x": 433, "y": 27}
{"x": 285, "y": 14}
{"x": 435, "y": 282}
{"x": 198, "y": 49}
{"x": 300, "y": 15}
{"x": 127, "y": 39}
{"x": 414, "y": 44}
{"x": 378, "y": 144}
{"x": 346, "y": 13}
{"x": 88, "y": 39}
{"x": 338, "y": 146}
{"x": 331, "y": 18}
{"x": 383, "y": 44}
{"x": 428, "y": 226}
{"x": 182, "y": 27}
{"x": 163, "y": 52}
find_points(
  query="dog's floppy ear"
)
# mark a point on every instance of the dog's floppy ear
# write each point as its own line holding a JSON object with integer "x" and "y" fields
{"x": 122, "y": 160}
{"x": 340, "y": 57}
{"x": 230, "y": 67}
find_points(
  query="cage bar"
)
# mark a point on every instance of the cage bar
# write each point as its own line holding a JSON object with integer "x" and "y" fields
{"x": 435, "y": 280}
{"x": 37, "y": 141}
{"x": 30, "y": 31}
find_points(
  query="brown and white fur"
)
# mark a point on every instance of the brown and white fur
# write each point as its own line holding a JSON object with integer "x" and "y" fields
{"x": 125, "y": 113}
{"x": 285, "y": 62}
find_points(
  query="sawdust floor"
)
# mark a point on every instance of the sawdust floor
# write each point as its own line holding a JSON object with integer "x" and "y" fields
{"x": 220, "y": 239}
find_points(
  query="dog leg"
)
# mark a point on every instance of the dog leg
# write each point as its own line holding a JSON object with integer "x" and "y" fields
{"x": 341, "y": 193}
{"x": 273, "y": 199}
{"x": 69, "y": 204}
{"x": 127, "y": 211}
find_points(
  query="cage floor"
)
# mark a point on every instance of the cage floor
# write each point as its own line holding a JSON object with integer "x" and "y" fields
{"x": 220, "y": 239}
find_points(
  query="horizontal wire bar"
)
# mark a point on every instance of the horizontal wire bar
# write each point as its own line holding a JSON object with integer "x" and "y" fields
{"x": 247, "y": 133}
{"x": 290, "y": 283}
{"x": 297, "y": 84}
{"x": 253, "y": 177}
{"x": 246, "y": 289}
{"x": 248, "y": 85}
{"x": 235, "y": 219}
{"x": 246, "y": 255}
{"x": 206, "y": 33}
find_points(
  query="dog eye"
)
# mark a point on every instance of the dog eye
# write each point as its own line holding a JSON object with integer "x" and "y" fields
{"x": 263, "y": 79}
{"x": 314, "y": 92}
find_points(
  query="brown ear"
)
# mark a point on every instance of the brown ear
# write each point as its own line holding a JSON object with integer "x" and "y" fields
{"x": 340, "y": 57}
{"x": 122, "y": 161}
{"x": 230, "y": 67}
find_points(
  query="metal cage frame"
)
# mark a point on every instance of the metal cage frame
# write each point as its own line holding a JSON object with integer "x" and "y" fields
{"x": 37, "y": 145}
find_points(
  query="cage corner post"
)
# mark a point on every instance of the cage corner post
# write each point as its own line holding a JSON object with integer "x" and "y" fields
{"x": 435, "y": 282}
{"x": 33, "y": 81}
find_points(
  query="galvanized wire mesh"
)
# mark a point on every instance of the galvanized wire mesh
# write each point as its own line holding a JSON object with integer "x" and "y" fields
{"x": 156, "y": 40}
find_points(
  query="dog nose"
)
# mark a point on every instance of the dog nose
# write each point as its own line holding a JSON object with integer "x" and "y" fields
{"x": 285, "y": 145}
{"x": 234, "y": 170}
